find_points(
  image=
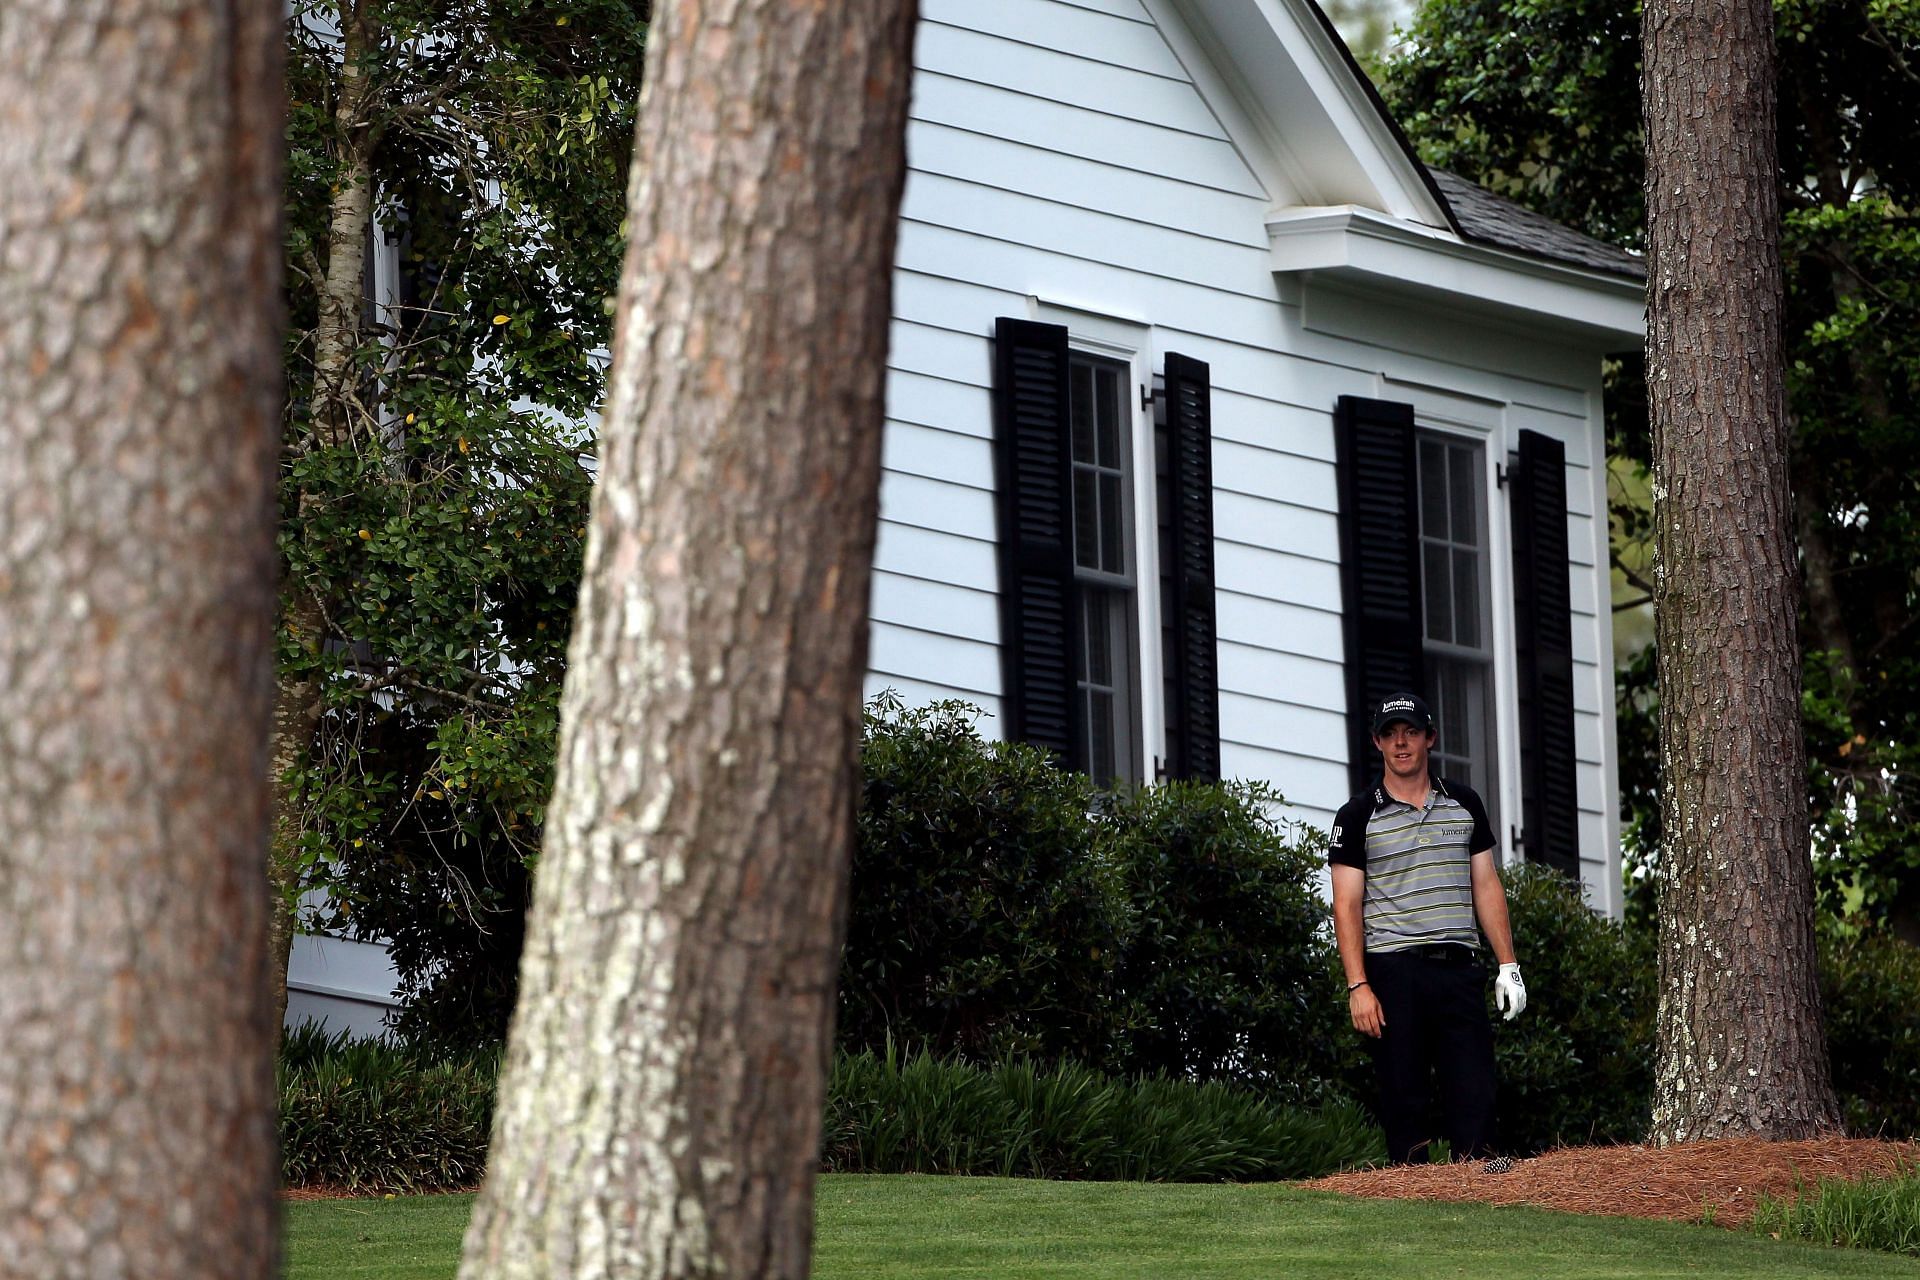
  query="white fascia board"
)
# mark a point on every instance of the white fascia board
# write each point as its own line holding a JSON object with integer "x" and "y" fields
{"x": 1359, "y": 247}
{"x": 1306, "y": 102}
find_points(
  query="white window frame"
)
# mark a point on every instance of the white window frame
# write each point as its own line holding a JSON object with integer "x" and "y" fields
{"x": 1129, "y": 341}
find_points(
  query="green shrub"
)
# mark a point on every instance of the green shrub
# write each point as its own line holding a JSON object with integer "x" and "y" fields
{"x": 367, "y": 1115}
{"x": 979, "y": 922}
{"x": 1875, "y": 1212}
{"x": 889, "y": 1113}
{"x": 1227, "y": 938}
{"x": 1577, "y": 1066}
{"x": 1870, "y": 986}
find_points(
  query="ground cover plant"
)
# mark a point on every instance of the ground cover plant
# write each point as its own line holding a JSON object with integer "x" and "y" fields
{"x": 369, "y": 1115}
{"x": 1874, "y": 1212}
{"x": 893, "y": 1228}
{"x": 892, "y": 1113}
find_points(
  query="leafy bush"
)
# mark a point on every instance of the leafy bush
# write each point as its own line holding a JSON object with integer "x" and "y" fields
{"x": 1875, "y": 1212}
{"x": 980, "y": 923}
{"x": 1002, "y": 907}
{"x": 1577, "y": 1066}
{"x": 1227, "y": 941}
{"x": 920, "y": 1114}
{"x": 369, "y": 1115}
{"x": 1870, "y": 985}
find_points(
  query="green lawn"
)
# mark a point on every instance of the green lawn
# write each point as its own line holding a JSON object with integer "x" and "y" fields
{"x": 893, "y": 1228}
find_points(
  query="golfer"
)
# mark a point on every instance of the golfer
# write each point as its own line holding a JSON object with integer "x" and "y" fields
{"x": 1413, "y": 870}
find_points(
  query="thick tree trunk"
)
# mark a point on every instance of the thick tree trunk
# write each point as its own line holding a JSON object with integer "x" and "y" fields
{"x": 139, "y": 347}
{"x": 1741, "y": 1048}
{"x": 660, "y": 1108}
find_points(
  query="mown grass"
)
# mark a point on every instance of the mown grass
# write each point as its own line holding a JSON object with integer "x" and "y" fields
{"x": 1874, "y": 1212}
{"x": 918, "y": 1228}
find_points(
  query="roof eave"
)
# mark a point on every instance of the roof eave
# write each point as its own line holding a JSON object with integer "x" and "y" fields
{"x": 1363, "y": 248}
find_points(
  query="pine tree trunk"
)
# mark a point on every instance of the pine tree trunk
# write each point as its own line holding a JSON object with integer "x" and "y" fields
{"x": 660, "y": 1108}
{"x": 1740, "y": 1045}
{"x": 139, "y": 347}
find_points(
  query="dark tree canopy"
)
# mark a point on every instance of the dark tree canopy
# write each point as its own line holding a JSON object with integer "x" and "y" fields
{"x": 1539, "y": 101}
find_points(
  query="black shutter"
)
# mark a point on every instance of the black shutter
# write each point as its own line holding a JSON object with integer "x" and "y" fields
{"x": 1194, "y": 714}
{"x": 1543, "y": 616}
{"x": 1379, "y": 564}
{"x": 1034, "y": 495}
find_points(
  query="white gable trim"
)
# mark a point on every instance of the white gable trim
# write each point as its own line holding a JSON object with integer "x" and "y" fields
{"x": 1360, "y": 247}
{"x": 1290, "y": 84}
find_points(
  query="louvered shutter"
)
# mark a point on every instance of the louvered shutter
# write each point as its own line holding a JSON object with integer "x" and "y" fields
{"x": 1194, "y": 714}
{"x": 1379, "y": 564}
{"x": 1034, "y": 496}
{"x": 1543, "y": 616}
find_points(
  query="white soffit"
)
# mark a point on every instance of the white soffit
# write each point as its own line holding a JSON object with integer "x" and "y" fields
{"x": 1306, "y": 101}
{"x": 1360, "y": 248}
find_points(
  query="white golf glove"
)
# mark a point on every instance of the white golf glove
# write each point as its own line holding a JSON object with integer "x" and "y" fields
{"x": 1509, "y": 993}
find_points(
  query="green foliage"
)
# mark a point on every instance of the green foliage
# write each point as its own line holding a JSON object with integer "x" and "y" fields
{"x": 980, "y": 922}
{"x": 921, "y": 1114}
{"x": 369, "y": 1116}
{"x": 433, "y": 507}
{"x": 1226, "y": 940}
{"x": 1003, "y": 907}
{"x": 1577, "y": 1066}
{"x": 372, "y": 1116}
{"x": 1539, "y": 100}
{"x": 1870, "y": 988}
{"x": 1873, "y": 1212}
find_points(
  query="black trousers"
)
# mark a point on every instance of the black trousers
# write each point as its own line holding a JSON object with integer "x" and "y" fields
{"x": 1437, "y": 1045}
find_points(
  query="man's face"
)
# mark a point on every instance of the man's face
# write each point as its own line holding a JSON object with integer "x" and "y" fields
{"x": 1404, "y": 748}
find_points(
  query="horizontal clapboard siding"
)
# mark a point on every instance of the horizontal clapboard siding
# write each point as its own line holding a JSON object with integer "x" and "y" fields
{"x": 1058, "y": 151}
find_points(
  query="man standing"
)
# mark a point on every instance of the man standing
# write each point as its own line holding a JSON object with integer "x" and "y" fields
{"x": 1413, "y": 870}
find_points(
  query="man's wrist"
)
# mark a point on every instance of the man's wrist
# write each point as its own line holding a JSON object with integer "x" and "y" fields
{"x": 1355, "y": 986}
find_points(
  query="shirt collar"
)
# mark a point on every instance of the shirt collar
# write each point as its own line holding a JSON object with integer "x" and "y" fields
{"x": 1436, "y": 787}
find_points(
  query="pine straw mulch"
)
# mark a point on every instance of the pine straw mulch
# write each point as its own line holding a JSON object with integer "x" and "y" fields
{"x": 1725, "y": 1177}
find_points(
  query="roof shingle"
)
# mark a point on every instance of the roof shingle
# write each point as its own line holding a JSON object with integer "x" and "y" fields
{"x": 1494, "y": 220}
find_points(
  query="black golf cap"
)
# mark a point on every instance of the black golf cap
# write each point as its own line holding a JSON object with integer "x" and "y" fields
{"x": 1410, "y": 707}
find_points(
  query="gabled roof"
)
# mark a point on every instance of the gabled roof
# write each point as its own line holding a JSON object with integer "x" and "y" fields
{"x": 1490, "y": 219}
{"x": 1353, "y": 204}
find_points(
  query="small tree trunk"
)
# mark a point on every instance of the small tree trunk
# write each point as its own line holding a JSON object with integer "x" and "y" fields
{"x": 298, "y": 703}
{"x": 297, "y": 708}
{"x": 660, "y": 1108}
{"x": 1740, "y": 1042}
{"x": 139, "y": 346}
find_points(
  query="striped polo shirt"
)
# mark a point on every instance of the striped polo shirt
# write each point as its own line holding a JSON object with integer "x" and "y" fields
{"x": 1418, "y": 863}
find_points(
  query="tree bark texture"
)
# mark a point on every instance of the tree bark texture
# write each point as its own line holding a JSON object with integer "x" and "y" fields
{"x": 140, "y": 256}
{"x": 660, "y": 1108}
{"x": 1740, "y": 1044}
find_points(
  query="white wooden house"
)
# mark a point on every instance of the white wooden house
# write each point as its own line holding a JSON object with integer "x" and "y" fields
{"x": 1213, "y": 414}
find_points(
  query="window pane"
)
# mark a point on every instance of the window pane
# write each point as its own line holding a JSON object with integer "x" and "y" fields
{"x": 1100, "y": 745}
{"x": 1086, "y": 519}
{"x": 1080, "y": 397}
{"x": 1433, "y": 489}
{"x": 1113, "y": 548}
{"x": 1107, "y": 416}
{"x": 1466, "y": 598}
{"x": 1099, "y": 637}
{"x": 1462, "y": 490}
{"x": 1438, "y": 592}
